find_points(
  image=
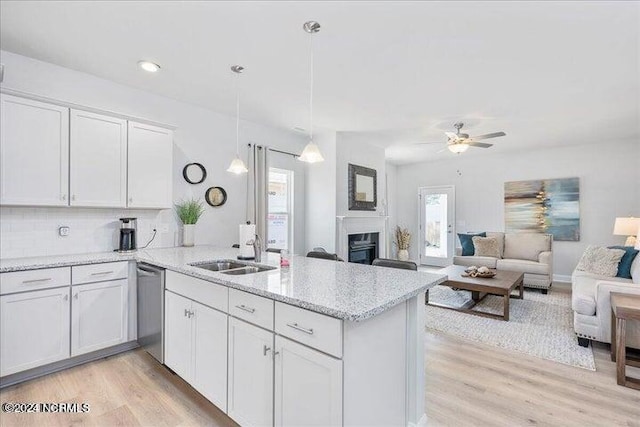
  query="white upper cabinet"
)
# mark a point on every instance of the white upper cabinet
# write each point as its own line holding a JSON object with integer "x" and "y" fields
{"x": 98, "y": 171}
{"x": 150, "y": 166}
{"x": 34, "y": 152}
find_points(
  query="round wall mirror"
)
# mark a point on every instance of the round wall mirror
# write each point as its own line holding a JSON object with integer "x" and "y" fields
{"x": 216, "y": 196}
{"x": 194, "y": 173}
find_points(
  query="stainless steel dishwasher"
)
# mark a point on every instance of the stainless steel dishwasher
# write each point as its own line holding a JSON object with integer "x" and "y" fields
{"x": 151, "y": 310}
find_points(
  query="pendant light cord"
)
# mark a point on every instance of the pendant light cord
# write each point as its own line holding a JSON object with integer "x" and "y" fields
{"x": 311, "y": 91}
{"x": 237, "y": 116}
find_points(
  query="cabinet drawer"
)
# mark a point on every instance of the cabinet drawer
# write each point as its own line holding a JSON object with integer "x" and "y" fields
{"x": 252, "y": 308}
{"x": 309, "y": 328}
{"x": 99, "y": 272}
{"x": 204, "y": 292}
{"x": 28, "y": 280}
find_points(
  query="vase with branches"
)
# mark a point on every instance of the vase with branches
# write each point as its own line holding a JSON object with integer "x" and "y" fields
{"x": 189, "y": 212}
{"x": 402, "y": 241}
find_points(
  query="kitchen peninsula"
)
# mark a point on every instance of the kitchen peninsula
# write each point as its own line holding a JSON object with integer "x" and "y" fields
{"x": 320, "y": 342}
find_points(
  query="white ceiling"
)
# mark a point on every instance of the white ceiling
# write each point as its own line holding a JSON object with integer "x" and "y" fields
{"x": 547, "y": 73}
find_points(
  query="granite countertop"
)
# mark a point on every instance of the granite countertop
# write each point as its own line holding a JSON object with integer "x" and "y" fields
{"x": 338, "y": 289}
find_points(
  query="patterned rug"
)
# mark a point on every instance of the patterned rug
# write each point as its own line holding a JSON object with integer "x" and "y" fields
{"x": 539, "y": 325}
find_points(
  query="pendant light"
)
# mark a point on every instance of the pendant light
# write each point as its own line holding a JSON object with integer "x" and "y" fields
{"x": 311, "y": 152}
{"x": 237, "y": 166}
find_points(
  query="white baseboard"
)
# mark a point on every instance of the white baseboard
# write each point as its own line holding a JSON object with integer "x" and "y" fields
{"x": 422, "y": 422}
{"x": 562, "y": 278}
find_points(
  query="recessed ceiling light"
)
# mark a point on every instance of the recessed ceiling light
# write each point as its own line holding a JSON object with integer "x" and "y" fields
{"x": 149, "y": 66}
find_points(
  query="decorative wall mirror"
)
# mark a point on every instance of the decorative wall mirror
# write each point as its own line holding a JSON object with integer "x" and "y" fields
{"x": 194, "y": 173}
{"x": 216, "y": 196}
{"x": 363, "y": 188}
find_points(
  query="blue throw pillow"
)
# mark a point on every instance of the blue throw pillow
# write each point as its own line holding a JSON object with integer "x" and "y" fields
{"x": 467, "y": 243}
{"x": 624, "y": 267}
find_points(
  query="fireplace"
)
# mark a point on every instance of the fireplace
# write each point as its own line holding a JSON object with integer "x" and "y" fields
{"x": 363, "y": 247}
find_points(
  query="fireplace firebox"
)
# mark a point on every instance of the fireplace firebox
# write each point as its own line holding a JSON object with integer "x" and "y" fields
{"x": 363, "y": 247}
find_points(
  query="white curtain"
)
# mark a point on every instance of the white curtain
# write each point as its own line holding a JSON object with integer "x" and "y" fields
{"x": 257, "y": 183}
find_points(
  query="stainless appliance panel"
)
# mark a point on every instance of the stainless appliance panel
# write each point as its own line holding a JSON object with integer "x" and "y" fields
{"x": 151, "y": 310}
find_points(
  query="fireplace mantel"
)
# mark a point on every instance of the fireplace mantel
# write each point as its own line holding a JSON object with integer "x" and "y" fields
{"x": 346, "y": 225}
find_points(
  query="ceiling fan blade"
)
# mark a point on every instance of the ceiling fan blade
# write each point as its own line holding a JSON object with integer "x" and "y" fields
{"x": 489, "y": 135}
{"x": 451, "y": 135}
{"x": 426, "y": 143}
{"x": 480, "y": 144}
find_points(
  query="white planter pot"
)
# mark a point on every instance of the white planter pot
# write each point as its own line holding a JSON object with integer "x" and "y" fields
{"x": 403, "y": 255}
{"x": 188, "y": 233}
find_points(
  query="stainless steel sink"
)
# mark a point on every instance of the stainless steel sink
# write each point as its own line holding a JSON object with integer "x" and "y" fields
{"x": 247, "y": 270}
{"x": 226, "y": 266}
{"x": 218, "y": 265}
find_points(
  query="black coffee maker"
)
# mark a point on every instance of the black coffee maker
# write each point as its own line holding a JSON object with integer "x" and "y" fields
{"x": 127, "y": 235}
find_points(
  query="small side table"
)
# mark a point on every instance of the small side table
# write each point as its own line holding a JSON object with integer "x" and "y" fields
{"x": 623, "y": 307}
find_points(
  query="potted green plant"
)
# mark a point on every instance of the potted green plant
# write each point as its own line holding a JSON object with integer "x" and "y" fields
{"x": 403, "y": 241}
{"x": 189, "y": 212}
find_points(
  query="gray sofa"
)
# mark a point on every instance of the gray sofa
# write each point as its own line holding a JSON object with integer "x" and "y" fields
{"x": 591, "y": 304}
{"x": 530, "y": 253}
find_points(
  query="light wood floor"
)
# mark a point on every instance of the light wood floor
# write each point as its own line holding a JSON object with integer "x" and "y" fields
{"x": 467, "y": 384}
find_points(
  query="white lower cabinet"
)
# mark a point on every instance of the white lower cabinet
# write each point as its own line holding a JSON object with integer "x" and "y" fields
{"x": 34, "y": 329}
{"x": 308, "y": 386}
{"x": 250, "y": 374}
{"x": 99, "y": 316}
{"x": 196, "y": 346}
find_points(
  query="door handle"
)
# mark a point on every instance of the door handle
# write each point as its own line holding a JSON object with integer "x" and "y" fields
{"x": 265, "y": 350}
{"x": 245, "y": 308}
{"x": 100, "y": 273}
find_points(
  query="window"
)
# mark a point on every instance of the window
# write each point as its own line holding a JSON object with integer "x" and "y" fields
{"x": 280, "y": 215}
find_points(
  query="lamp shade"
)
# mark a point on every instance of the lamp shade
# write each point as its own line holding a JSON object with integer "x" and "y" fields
{"x": 237, "y": 166}
{"x": 311, "y": 154}
{"x": 458, "y": 147}
{"x": 626, "y": 226}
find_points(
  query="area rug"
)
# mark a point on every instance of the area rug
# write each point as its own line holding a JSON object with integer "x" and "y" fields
{"x": 540, "y": 325}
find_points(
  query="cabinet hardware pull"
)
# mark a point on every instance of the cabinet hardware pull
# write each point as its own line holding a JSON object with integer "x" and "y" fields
{"x": 76, "y": 296}
{"x": 186, "y": 313}
{"x": 64, "y": 197}
{"x": 300, "y": 328}
{"x": 265, "y": 350}
{"x": 66, "y": 297}
{"x": 100, "y": 273}
{"x": 73, "y": 197}
{"x": 191, "y": 313}
{"x": 245, "y": 308}
{"x": 275, "y": 353}
{"x": 36, "y": 280}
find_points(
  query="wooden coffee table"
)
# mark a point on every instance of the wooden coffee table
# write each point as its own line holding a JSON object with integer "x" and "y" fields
{"x": 502, "y": 284}
{"x": 623, "y": 307}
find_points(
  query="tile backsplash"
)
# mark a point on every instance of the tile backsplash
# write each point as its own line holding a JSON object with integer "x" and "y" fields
{"x": 33, "y": 231}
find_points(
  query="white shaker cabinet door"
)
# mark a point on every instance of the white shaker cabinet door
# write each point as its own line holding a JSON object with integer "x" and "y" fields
{"x": 210, "y": 354}
{"x": 34, "y": 329}
{"x": 177, "y": 335}
{"x": 308, "y": 386}
{"x": 150, "y": 160}
{"x": 99, "y": 316}
{"x": 98, "y": 168}
{"x": 34, "y": 153}
{"x": 250, "y": 374}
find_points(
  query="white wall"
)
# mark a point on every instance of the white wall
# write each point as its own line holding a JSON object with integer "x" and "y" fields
{"x": 320, "y": 220}
{"x": 609, "y": 187}
{"x": 202, "y": 135}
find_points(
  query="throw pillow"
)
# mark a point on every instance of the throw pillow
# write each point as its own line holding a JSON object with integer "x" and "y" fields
{"x": 600, "y": 261}
{"x": 467, "y": 243}
{"x": 624, "y": 268}
{"x": 486, "y": 246}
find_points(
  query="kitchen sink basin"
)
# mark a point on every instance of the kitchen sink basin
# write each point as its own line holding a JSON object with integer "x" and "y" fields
{"x": 247, "y": 270}
{"x": 231, "y": 267}
{"x": 218, "y": 265}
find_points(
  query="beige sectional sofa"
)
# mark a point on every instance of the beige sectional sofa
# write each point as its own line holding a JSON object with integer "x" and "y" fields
{"x": 591, "y": 304}
{"x": 530, "y": 253}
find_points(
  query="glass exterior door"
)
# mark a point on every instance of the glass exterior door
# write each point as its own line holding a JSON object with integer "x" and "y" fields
{"x": 437, "y": 219}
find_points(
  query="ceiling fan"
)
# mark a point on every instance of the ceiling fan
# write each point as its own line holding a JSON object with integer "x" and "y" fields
{"x": 459, "y": 142}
